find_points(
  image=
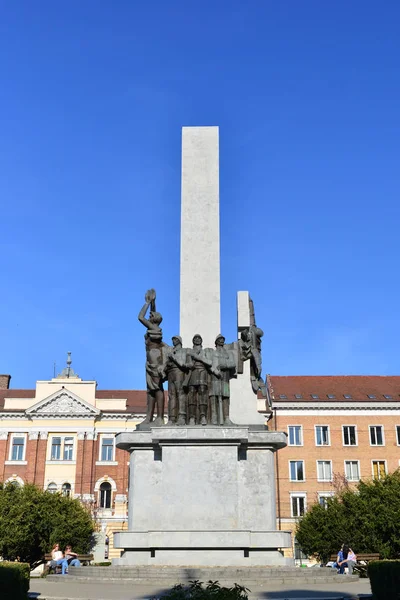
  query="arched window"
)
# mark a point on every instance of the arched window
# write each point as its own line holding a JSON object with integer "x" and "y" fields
{"x": 66, "y": 489}
{"x": 105, "y": 495}
{"x": 52, "y": 488}
{"x": 15, "y": 480}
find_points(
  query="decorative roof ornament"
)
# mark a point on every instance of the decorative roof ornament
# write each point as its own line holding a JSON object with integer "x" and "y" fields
{"x": 68, "y": 372}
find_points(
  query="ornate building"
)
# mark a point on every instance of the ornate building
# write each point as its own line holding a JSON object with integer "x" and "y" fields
{"x": 61, "y": 436}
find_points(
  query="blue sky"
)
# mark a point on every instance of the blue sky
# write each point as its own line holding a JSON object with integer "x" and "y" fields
{"x": 92, "y": 100}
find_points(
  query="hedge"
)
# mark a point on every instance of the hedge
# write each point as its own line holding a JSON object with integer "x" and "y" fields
{"x": 384, "y": 577}
{"x": 14, "y": 580}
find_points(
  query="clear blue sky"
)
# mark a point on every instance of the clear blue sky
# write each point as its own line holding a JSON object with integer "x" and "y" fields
{"x": 93, "y": 96}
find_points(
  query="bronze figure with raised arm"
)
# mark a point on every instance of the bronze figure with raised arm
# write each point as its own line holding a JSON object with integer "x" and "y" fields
{"x": 156, "y": 356}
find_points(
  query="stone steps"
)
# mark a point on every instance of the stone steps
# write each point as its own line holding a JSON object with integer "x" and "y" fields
{"x": 225, "y": 575}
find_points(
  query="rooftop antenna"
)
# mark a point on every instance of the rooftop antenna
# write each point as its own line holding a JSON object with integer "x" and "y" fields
{"x": 54, "y": 369}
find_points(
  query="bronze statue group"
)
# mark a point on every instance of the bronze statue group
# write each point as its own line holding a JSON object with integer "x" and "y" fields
{"x": 198, "y": 378}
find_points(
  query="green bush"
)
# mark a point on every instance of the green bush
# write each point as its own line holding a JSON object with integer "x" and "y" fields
{"x": 101, "y": 564}
{"x": 32, "y": 520}
{"x": 384, "y": 577}
{"x": 212, "y": 591}
{"x": 14, "y": 580}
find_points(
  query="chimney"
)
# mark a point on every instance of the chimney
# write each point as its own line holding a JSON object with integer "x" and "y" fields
{"x": 5, "y": 382}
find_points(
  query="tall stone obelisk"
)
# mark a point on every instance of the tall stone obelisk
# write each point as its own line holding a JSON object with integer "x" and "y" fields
{"x": 200, "y": 246}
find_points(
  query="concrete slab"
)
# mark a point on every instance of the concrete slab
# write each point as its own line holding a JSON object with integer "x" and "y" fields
{"x": 71, "y": 590}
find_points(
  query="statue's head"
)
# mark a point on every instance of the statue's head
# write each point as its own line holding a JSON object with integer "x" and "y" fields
{"x": 177, "y": 341}
{"x": 155, "y": 317}
{"x": 219, "y": 340}
{"x": 197, "y": 340}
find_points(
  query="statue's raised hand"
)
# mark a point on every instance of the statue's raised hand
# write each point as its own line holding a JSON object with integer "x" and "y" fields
{"x": 150, "y": 296}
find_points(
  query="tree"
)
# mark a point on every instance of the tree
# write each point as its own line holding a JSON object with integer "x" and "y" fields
{"x": 32, "y": 520}
{"x": 366, "y": 518}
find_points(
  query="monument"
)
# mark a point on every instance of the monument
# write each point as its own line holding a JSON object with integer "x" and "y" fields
{"x": 202, "y": 485}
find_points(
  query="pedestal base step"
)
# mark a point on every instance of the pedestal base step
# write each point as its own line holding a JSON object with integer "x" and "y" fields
{"x": 250, "y": 576}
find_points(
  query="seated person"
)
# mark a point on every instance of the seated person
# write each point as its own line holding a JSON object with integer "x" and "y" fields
{"x": 71, "y": 558}
{"x": 57, "y": 556}
{"x": 346, "y": 558}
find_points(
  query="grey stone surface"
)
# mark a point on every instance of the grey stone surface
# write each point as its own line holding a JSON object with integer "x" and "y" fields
{"x": 149, "y": 582}
{"x": 200, "y": 239}
{"x": 196, "y": 488}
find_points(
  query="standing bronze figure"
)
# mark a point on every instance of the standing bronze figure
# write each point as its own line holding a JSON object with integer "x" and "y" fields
{"x": 176, "y": 370}
{"x": 222, "y": 371}
{"x": 197, "y": 382}
{"x": 250, "y": 349}
{"x": 155, "y": 359}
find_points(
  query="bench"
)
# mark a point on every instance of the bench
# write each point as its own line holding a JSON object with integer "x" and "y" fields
{"x": 85, "y": 559}
{"x": 362, "y": 561}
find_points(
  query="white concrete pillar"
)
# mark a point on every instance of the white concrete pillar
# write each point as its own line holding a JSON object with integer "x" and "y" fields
{"x": 200, "y": 245}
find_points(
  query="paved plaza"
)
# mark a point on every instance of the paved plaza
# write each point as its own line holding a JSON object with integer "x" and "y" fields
{"x": 45, "y": 590}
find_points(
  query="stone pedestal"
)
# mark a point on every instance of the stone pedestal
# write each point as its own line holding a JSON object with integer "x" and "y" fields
{"x": 202, "y": 496}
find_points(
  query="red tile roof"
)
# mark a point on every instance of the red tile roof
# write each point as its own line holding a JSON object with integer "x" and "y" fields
{"x": 15, "y": 394}
{"x": 359, "y": 387}
{"x": 136, "y": 400}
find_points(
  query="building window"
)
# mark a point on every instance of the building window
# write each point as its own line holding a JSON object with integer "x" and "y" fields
{"x": 323, "y": 498}
{"x": 68, "y": 448}
{"x": 398, "y": 434}
{"x": 324, "y": 470}
{"x": 56, "y": 448}
{"x": 349, "y": 435}
{"x": 295, "y": 435}
{"x": 62, "y": 448}
{"x": 107, "y": 449}
{"x": 66, "y": 489}
{"x": 296, "y": 470}
{"x": 298, "y": 505}
{"x": 352, "y": 470}
{"x": 52, "y": 488}
{"x": 376, "y": 435}
{"x": 18, "y": 447}
{"x": 378, "y": 469}
{"x": 322, "y": 435}
{"x": 105, "y": 495}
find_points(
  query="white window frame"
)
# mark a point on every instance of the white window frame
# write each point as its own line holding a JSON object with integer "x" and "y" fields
{"x": 10, "y": 460}
{"x": 301, "y": 435}
{"x": 397, "y": 437}
{"x": 378, "y": 460}
{"x": 356, "y": 433}
{"x": 61, "y": 460}
{"x": 324, "y": 461}
{"x": 53, "y": 490}
{"x": 304, "y": 470}
{"x": 324, "y": 495}
{"x": 329, "y": 436}
{"x": 297, "y": 495}
{"x": 101, "y": 437}
{"x": 383, "y": 435}
{"x": 359, "y": 470}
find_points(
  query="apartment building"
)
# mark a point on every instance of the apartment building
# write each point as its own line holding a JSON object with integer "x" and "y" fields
{"x": 340, "y": 429}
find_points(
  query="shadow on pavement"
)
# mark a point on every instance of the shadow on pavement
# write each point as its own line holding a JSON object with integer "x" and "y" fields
{"x": 309, "y": 594}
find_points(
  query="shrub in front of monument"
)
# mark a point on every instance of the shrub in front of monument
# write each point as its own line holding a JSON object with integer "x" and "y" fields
{"x": 365, "y": 517}
{"x": 14, "y": 580}
{"x": 384, "y": 577}
{"x": 32, "y": 520}
{"x": 196, "y": 590}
